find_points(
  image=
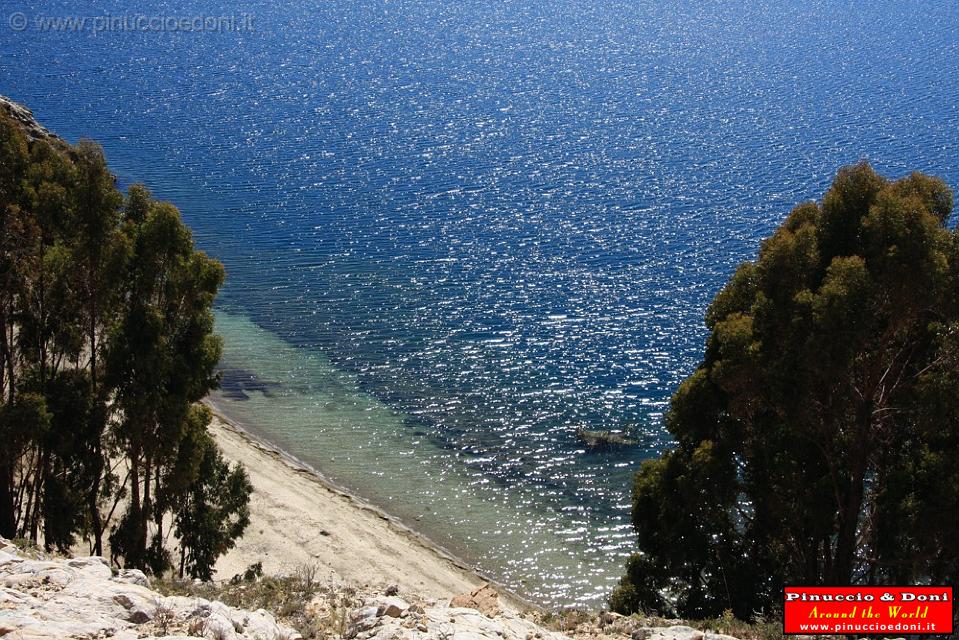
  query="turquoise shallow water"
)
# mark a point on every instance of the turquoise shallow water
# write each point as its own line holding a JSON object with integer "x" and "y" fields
{"x": 297, "y": 400}
{"x": 457, "y": 232}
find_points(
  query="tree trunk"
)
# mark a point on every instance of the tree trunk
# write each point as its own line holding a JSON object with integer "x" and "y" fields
{"x": 43, "y": 469}
{"x": 134, "y": 555}
{"x": 42, "y": 322}
{"x": 850, "y": 512}
{"x": 848, "y": 526}
{"x": 143, "y": 515}
{"x": 8, "y": 521}
{"x": 93, "y": 341}
{"x": 93, "y": 505}
{"x": 6, "y": 357}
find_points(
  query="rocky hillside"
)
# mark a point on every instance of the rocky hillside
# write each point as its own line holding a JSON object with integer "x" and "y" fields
{"x": 83, "y": 598}
{"x": 391, "y": 618}
{"x": 24, "y": 116}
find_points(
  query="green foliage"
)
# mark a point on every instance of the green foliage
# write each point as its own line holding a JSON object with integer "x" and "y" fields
{"x": 106, "y": 345}
{"x": 161, "y": 360}
{"x": 815, "y": 441}
{"x": 23, "y": 420}
{"x": 214, "y": 509}
{"x": 73, "y": 443}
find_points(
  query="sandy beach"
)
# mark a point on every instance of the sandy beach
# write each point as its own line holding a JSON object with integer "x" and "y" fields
{"x": 299, "y": 519}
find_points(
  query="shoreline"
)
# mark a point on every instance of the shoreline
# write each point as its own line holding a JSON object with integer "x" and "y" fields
{"x": 300, "y": 517}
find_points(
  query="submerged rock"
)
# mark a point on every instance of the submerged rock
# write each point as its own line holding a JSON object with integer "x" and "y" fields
{"x": 600, "y": 440}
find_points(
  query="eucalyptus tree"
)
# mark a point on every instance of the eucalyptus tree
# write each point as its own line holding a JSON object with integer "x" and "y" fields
{"x": 106, "y": 345}
{"x": 162, "y": 359}
{"x": 816, "y": 440}
{"x": 208, "y": 497}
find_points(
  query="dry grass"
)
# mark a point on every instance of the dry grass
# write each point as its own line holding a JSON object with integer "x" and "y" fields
{"x": 320, "y": 609}
{"x": 29, "y": 549}
{"x": 316, "y": 609}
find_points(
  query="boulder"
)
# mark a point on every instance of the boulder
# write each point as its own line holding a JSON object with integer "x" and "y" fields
{"x": 439, "y": 622}
{"x": 133, "y": 576}
{"x": 80, "y": 598}
{"x": 484, "y": 599}
{"x": 392, "y": 606}
{"x": 678, "y": 632}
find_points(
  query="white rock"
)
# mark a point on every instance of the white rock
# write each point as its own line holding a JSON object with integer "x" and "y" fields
{"x": 133, "y": 576}
{"x": 392, "y": 606}
{"x": 218, "y": 627}
{"x": 678, "y": 632}
{"x": 79, "y": 598}
{"x": 443, "y": 622}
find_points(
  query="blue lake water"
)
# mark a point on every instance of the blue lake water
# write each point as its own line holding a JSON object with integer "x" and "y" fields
{"x": 457, "y": 232}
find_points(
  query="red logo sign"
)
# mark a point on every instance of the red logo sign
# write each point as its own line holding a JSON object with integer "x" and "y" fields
{"x": 901, "y": 610}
